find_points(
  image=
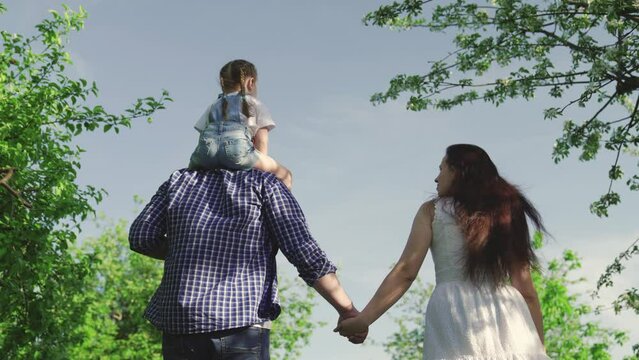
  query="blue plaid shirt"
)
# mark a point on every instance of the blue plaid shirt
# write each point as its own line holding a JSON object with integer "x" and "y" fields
{"x": 220, "y": 231}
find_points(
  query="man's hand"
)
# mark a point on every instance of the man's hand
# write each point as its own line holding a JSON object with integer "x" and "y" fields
{"x": 355, "y": 338}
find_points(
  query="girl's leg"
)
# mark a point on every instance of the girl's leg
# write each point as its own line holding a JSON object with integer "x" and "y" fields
{"x": 268, "y": 164}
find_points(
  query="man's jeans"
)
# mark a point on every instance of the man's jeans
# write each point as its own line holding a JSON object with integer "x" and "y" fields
{"x": 249, "y": 343}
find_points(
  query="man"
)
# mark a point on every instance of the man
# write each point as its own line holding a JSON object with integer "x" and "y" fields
{"x": 218, "y": 232}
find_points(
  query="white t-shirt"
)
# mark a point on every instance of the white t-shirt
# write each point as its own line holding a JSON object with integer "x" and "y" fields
{"x": 260, "y": 116}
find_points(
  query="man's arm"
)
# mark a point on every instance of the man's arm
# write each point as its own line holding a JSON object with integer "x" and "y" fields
{"x": 147, "y": 235}
{"x": 332, "y": 291}
{"x": 287, "y": 224}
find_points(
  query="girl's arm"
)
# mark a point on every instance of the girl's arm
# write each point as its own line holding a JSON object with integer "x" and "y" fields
{"x": 400, "y": 277}
{"x": 260, "y": 141}
{"x": 522, "y": 281}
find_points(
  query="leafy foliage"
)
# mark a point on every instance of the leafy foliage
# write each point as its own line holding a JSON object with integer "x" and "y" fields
{"x": 293, "y": 328}
{"x": 569, "y": 332}
{"x": 506, "y": 49}
{"x": 407, "y": 343}
{"x": 629, "y": 298}
{"x": 41, "y": 204}
{"x": 117, "y": 292}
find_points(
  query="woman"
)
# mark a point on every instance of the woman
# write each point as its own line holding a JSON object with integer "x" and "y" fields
{"x": 484, "y": 305}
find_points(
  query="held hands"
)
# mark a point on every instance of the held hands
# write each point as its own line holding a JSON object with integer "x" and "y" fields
{"x": 353, "y": 327}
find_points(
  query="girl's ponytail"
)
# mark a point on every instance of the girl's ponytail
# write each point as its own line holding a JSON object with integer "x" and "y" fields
{"x": 225, "y": 104}
{"x": 245, "y": 109}
{"x": 232, "y": 74}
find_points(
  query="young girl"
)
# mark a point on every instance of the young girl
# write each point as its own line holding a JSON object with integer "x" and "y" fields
{"x": 234, "y": 130}
{"x": 484, "y": 305}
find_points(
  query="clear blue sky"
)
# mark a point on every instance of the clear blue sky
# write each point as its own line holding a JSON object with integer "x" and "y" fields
{"x": 360, "y": 171}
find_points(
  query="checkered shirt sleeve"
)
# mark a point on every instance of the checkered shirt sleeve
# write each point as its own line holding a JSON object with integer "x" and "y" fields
{"x": 220, "y": 232}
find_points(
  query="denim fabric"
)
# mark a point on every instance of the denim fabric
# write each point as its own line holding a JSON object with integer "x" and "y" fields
{"x": 224, "y": 145}
{"x": 250, "y": 343}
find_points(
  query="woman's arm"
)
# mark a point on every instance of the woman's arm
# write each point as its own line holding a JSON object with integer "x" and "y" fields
{"x": 521, "y": 280}
{"x": 260, "y": 141}
{"x": 400, "y": 277}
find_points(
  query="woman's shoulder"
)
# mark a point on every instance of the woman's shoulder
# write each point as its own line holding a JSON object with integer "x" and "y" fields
{"x": 427, "y": 209}
{"x": 436, "y": 203}
{"x": 443, "y": 208}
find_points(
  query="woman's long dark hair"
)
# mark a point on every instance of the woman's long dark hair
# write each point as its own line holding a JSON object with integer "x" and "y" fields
{"x": 492, "y": 213}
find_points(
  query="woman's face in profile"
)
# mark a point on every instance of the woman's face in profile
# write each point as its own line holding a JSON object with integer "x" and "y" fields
{"x": 445, "y": 178}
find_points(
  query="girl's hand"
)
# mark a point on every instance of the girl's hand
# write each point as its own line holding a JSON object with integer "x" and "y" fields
{"x": 351, "y": 327}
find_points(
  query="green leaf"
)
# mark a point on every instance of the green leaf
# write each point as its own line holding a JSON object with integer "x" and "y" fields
{"x": 600, "y": 207}
{"x": 615, "y": 172}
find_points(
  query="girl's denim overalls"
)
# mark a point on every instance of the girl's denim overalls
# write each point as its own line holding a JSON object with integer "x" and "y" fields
{"x": 225, "y": 143}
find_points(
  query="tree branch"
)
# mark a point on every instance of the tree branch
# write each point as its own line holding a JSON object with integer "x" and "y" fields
{"x": 4, "y": 183}
{"x": 634, "y": 115}
{"x": 604, "y": 278}
{"x": 450, "y": 85}
{"x": 619, "y": 120}
{"x": 585, "y": 125}
{"x": 582, "y": 97}
{"x": 567, "y": 43}
{"x": 627, "y": 128}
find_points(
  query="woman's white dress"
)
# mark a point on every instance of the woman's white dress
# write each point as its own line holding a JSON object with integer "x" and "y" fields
{"x": 467, "y": 322}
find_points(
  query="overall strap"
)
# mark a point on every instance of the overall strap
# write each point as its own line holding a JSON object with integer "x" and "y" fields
{"x": 212, "y": 109}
